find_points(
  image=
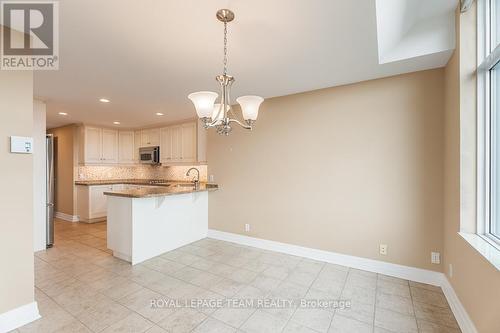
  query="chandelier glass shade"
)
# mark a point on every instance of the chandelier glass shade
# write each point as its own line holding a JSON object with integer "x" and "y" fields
{"x": 203, "y": 102}
{"x": 221, "y": 115}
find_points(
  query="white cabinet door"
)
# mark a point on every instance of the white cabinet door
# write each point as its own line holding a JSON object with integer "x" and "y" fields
{"x": 188, "y": 142}
{"x": 109, "y": 146}
{"x": 176, "y": 143}
{"x": 126, "y": 147}
{"x": 144, "y": 138}
{"x": 93, "y": 145}
{"x": 98, "y": 201}
{"x": 151, "y": 137}
{"x": 166, "y": 145}
{"x": 154, "y": 137}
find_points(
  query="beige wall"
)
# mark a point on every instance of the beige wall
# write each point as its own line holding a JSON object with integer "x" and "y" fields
{"x": 476, "y": 282}
{"x": 65, "y": 166}
{"x": 341, "y": 169}
{"x": 16, "y": 197}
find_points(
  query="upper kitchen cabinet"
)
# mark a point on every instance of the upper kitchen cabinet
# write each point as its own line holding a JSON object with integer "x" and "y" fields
{"x": 166, "y": 145}
{"x": 188, "y": 142}
{"x": 126, "y": 147}
{"x": 109, "y": 145}
{"x": 92, "y": 147}
{"x": 98, "y": 145}
{"x": 176, "y": 132}
{"x": 150, "y": 137}
{"x": 183, "y": 143}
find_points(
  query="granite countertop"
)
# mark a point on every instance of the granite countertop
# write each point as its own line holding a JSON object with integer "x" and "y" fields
{"x": 162, "y": 190}
{"x": 150, "y": 182}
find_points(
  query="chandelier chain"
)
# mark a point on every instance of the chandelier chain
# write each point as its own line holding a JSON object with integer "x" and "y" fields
{"x": 225, "y": 48}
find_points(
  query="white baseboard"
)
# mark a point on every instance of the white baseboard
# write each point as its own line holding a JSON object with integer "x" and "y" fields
{"x": 18, "y": 317}
{"x": 400, "y": 271}
{"x": 67, "y": 217}
{"x": 376, "y": 266}
{"x": 464, "y": 321}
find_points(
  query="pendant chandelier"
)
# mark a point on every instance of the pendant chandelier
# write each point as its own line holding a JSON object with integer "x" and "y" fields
{"x": 220, "y": 115}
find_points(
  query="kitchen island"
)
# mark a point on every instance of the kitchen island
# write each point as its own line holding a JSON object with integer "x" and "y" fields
{"x": 146, "y": 222}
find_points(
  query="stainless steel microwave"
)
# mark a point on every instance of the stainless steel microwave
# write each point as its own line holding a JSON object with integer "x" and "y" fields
{"x": 149, "y": 155}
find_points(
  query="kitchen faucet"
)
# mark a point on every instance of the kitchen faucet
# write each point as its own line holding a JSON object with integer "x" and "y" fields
{"x": 196, "y": 180}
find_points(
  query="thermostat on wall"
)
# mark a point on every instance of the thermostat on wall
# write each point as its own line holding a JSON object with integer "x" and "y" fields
{"x": 21, "y": 145}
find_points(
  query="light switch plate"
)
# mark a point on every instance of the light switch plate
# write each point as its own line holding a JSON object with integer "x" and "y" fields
{"x": 21, "y": 145}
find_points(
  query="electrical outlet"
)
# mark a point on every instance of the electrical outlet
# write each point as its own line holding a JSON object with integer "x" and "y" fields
{"x": 435, "y": 257}
{"x": 247, "y": 227}
{"x": 450, "y": 270}
{"x": 211, "y": 178}
{"x": 383, "y": 249}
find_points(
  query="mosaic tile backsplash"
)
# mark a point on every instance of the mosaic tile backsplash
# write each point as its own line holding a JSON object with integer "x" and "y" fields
{"x": 177, "y": 173}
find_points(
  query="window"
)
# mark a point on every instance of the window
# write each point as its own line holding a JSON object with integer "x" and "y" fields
{"x": 489, "y": 119}
{"x": 494, "y": 154}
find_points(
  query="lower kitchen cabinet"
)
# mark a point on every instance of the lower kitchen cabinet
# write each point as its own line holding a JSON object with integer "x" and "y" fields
{"x": 92, "y": 203}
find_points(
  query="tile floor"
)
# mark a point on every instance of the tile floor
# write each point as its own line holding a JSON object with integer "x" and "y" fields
{"x": 80, "y": 287}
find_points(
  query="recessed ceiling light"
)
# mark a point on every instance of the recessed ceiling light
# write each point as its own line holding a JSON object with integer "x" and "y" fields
{"x": 116, "y": 122}
{"x": 104, "y": 100}
{"x": 159, "y": 114}
{"x": 63, "y": 113}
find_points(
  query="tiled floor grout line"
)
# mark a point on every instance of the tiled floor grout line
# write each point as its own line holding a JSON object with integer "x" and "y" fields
{"x": 413, "y": 306}
{"x": 267, "y": 294}
{"x": 340, "y": 297}
{"x": 375, "y": 305}
{"x": 309, "y": 288}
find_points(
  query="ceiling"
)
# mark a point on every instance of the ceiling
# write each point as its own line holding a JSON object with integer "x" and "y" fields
{"x": 147, "y": 56}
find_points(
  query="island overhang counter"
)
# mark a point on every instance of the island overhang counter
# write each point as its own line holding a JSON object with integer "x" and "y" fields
{"x": 144, "y": 223}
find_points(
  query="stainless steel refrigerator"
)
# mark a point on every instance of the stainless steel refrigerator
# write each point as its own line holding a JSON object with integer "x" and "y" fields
{"x": 50, "y": 190}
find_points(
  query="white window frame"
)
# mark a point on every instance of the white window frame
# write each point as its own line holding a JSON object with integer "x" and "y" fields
{"x": 487, "y": 59}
